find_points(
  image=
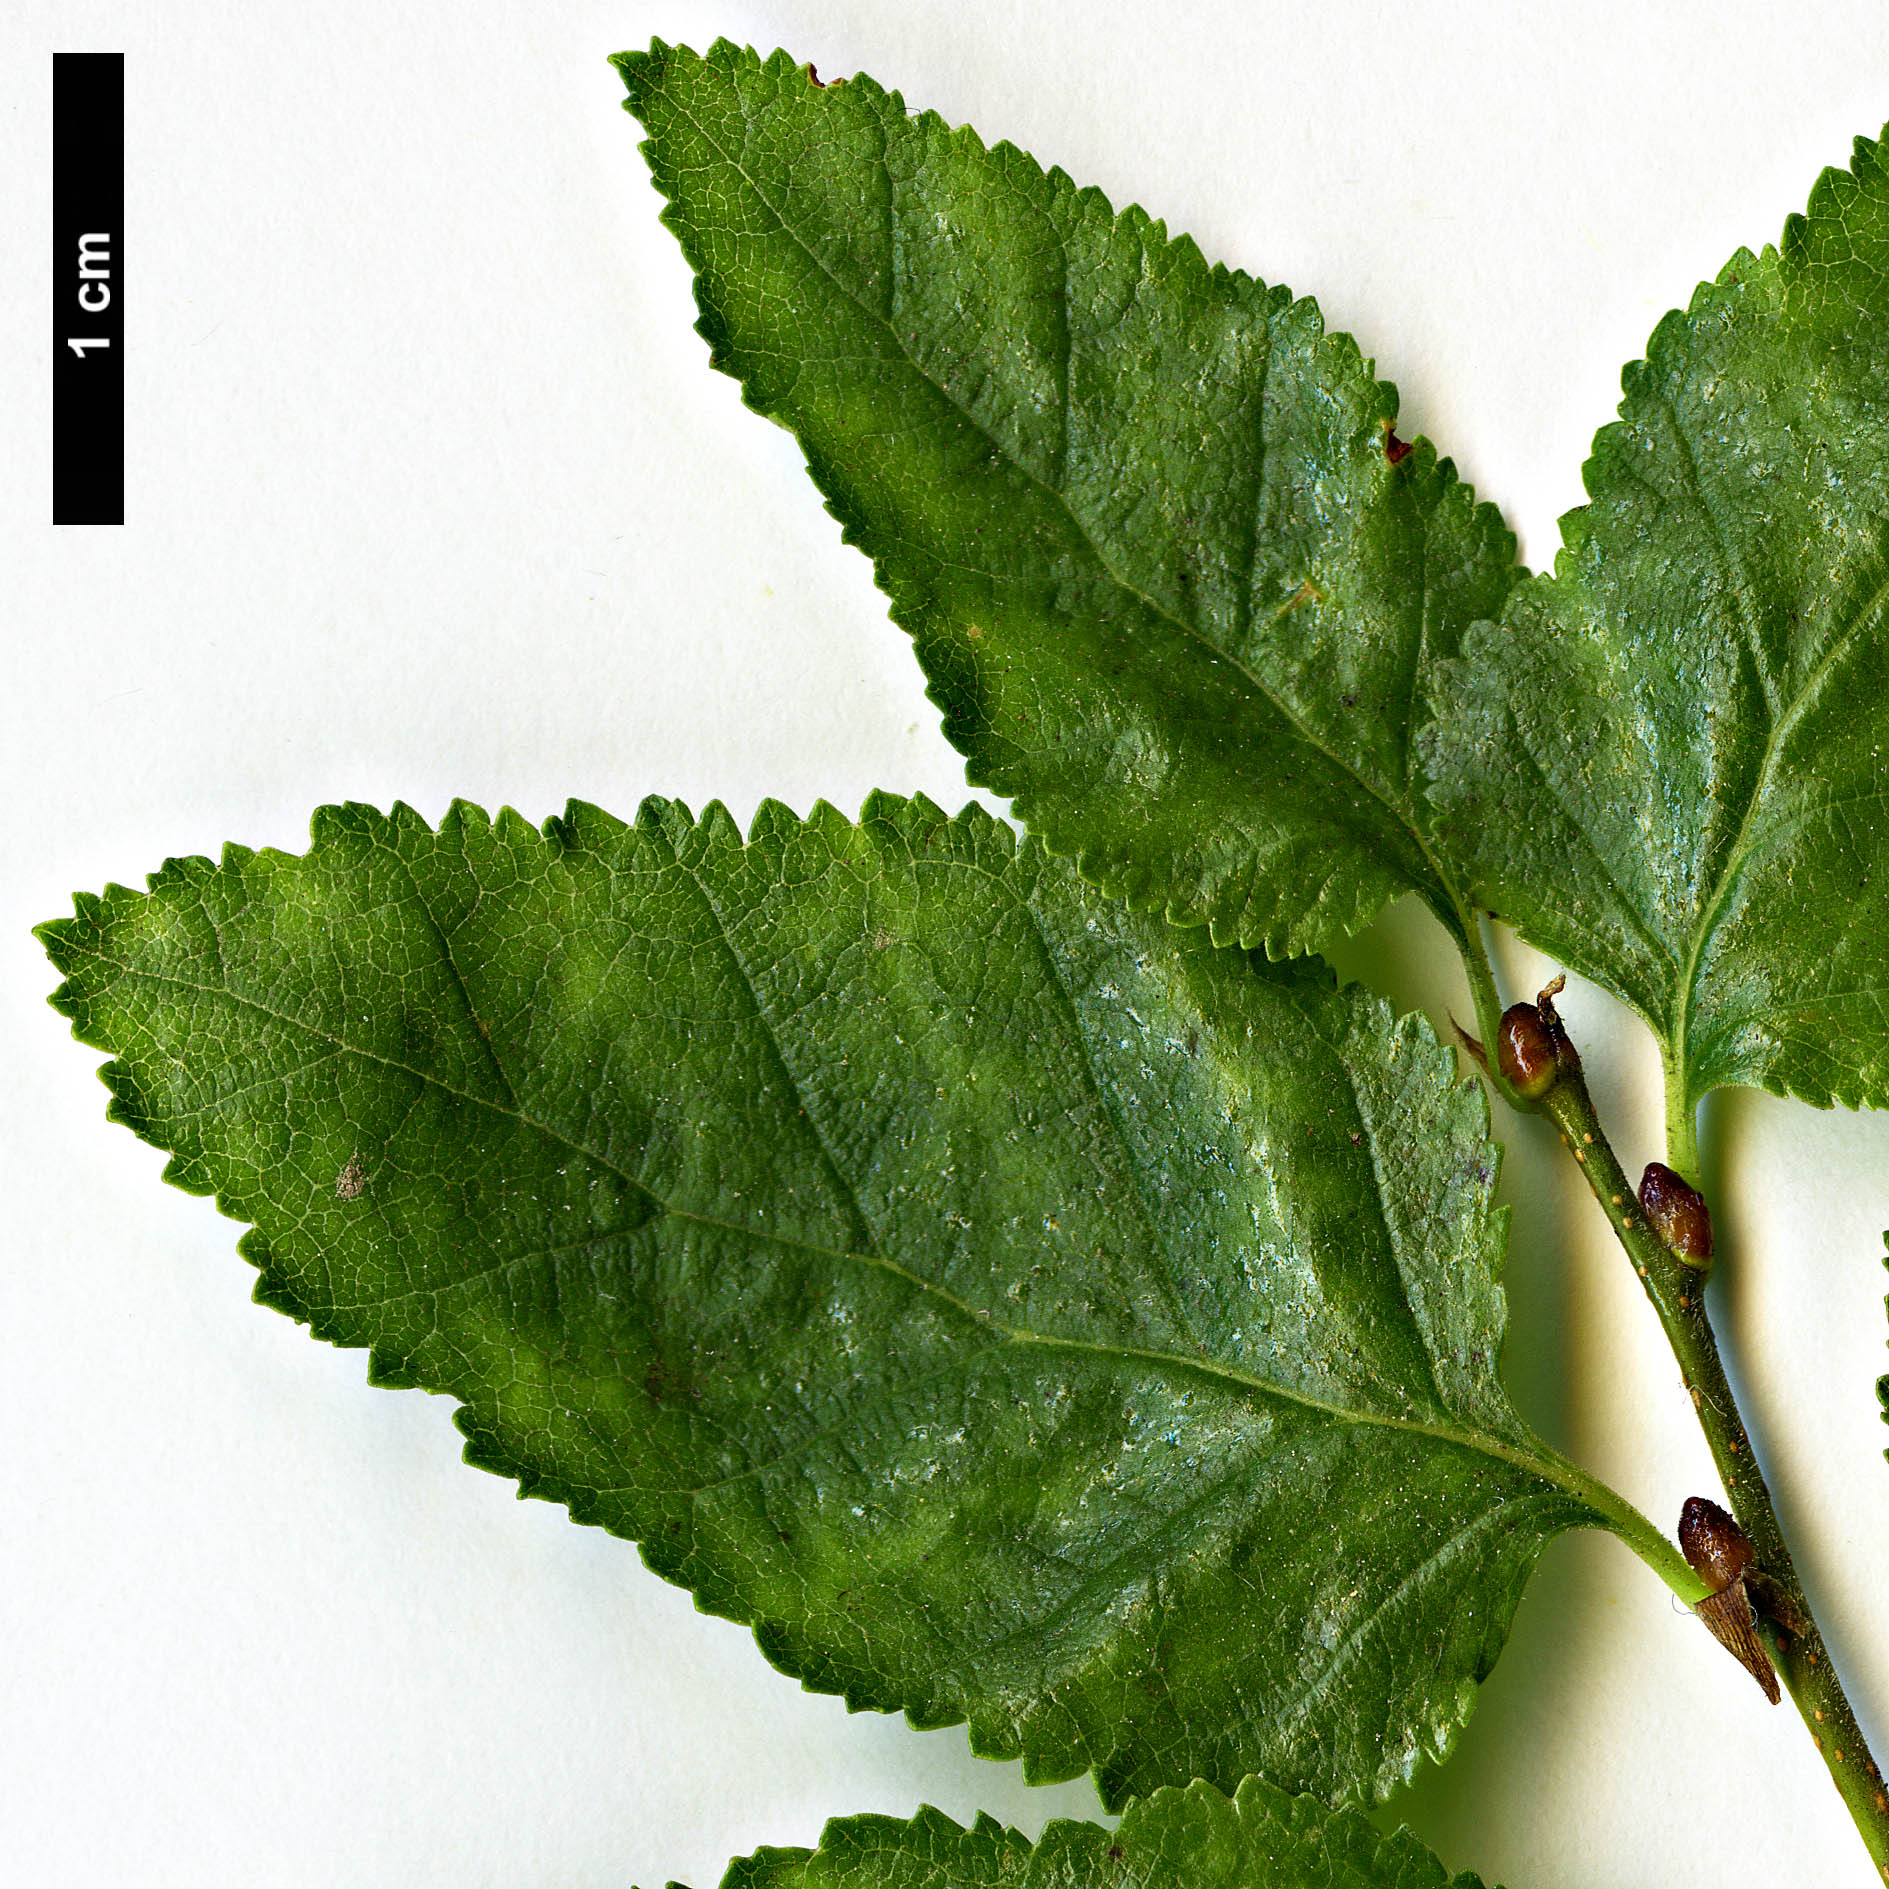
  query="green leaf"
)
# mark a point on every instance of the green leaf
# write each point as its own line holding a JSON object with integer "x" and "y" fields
{"x": 1175, "y": 585}
{"x": 1017, "y": 1309}
{"x": 1176, "y": 1839}
{"x": 1666, "y": 767}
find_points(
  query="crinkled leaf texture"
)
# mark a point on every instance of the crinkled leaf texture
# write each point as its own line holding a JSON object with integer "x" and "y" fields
{"x": 1667, "y": 765}
{"x": 1176, "y": 586}
{"x": 1018, "y": 1309}
{"x": 1176, "y": 1839}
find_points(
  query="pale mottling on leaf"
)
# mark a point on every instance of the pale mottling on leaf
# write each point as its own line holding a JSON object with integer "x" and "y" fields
{"x": 1666, "y": 764}
{"x": 1042, "y": 1318}
{"x": 1178, "y": 587}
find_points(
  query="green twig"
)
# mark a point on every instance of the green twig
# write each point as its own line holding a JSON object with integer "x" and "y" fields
{"x": 1677, "y": 1290}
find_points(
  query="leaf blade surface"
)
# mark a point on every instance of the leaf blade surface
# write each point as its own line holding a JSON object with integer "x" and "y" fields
{"x": 1176, "y": 588}
{"x": 1195, "y": 1838}
{"x": 1017, "y": 1310}
{"x": 1667, "y": 765}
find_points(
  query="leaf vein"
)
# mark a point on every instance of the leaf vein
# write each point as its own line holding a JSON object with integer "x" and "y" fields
{"x": 1403, "y": 818}
{"x": 1548, "y": 1466}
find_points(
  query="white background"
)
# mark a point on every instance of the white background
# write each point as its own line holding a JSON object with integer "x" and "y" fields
{"x": 431, "y": 492}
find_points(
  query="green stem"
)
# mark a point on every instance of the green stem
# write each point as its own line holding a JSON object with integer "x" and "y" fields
{"x": 1482, "y": 990}
{"x": 1678, "y": 1295}
{"x": 1632, "y": 1528}
{"x": 1488, "y": 1002}
{"x": 1682, "y": 1132}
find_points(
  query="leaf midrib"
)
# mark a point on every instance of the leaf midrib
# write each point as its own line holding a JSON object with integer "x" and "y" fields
{"x": 1548, "y": 1468}
{"x": 1783, "y": 727}
{"x": 1741, "y": 585}
{"x": 1444, "y": 881}
{"x": 1352, "y": 1645}
{"x": 1104, "y": 1098}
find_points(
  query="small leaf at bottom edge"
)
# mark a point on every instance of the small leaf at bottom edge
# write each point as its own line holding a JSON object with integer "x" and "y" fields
{"x": 1260, "y": 1838}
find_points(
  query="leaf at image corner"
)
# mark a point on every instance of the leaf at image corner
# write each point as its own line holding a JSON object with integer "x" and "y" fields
{"x": 1667, "y": 765}
{"x": 1196, "y": 1838}
{"x": 1017, "y": 1309}
{"x": 1177, "y": 587}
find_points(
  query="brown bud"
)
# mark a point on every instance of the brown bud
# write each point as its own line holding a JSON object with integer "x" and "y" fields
{"x": 1678, "y": 1214}
{"x": 1525, "y": 1052}
{"x": 1717, "y": 1550}
{"x": 1732, "y": 1623}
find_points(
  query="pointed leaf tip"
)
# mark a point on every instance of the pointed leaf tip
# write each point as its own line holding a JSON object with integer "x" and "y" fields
{"x": 1211, "y": 701}
{"x": 1683, "y": 721}
{"x": 1015, "y": 1309}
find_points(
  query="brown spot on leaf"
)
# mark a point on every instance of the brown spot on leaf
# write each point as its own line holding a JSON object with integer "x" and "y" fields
{"x": 813, "y": 78}
{"x": 351, "y": 1182}
{"x": 661, "y": 1383}
{"x": 1307, "y": 592}
{"x": 1395, "y": 449}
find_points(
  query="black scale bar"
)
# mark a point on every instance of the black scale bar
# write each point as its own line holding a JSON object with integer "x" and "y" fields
{"x": 88, "y": 302}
